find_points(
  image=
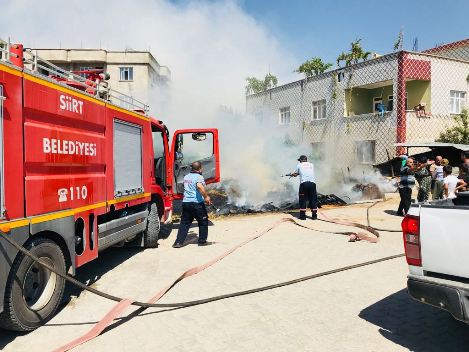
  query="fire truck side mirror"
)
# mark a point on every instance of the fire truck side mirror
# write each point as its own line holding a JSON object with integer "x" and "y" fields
{"x": 199, "y": 137}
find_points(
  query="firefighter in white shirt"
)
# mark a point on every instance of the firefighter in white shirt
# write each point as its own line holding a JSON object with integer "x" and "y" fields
{"x": 307, "y": 190}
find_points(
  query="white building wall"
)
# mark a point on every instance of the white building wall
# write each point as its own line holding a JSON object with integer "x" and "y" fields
{"x": 338, "y": 133}
{"x": 446, "y": 75}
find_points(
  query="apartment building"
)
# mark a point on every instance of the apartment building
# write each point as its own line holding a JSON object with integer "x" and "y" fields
{"x": 357, "y": 113}
{"x": 135, "y": 74}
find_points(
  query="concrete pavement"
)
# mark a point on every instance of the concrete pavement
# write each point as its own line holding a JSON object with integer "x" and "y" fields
{"x": 365, "y": 309}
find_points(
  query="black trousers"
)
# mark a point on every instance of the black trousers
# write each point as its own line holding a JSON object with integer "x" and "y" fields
{"x": 307, "y": 193}
{"x": 191, "y": 211}
{"x": 406, "y": 200}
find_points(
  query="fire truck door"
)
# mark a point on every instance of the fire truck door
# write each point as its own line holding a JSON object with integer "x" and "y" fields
{"x": 195, "y": 145}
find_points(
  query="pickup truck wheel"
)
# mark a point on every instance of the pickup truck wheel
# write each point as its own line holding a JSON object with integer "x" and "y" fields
{"x": 150, "y": 236}
{"x": 33, "y": 293}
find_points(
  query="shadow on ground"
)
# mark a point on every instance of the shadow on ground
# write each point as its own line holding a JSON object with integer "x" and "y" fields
{"x": 392, "y": 212}
{"x": 89, "y": 273}
{"x": 416, "y": 326}
{"x": 174, "y": 227}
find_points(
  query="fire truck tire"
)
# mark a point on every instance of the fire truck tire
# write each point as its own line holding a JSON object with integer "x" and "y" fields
{"x": 33, "y": 293}
{"x": 150, "y": 236}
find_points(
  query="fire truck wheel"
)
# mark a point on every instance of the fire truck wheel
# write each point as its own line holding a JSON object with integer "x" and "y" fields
{"x": 150, "y": 236}
{"x": 33, "y": 293}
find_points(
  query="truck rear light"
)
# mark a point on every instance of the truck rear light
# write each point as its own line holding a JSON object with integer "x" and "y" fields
{"x": 411, "y": 235}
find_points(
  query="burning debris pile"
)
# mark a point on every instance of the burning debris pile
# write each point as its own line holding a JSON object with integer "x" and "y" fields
{"x": 224, "y": 202}
{"x": 368, "y": 191}
{"x": 230, "y": 198}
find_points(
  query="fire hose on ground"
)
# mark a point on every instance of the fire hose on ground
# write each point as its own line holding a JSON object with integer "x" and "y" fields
{"x": 124, "y": 303}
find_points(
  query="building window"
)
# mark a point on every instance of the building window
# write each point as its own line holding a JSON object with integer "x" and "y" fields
{"x": 366, "y": 151}
{"x": 456, "y": 101}
{"x": 87, "y": 68}
{"x": 340, "y": 76}
{"x": 319, "y": 110}
{"x": 126, "y": 73}
{"x": 284, "y": 116}
{"x": 390, "y": 103}
{"x": 84, "y": 68}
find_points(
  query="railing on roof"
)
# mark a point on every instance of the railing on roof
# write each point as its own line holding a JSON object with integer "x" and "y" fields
{"x": 5, "y": 53}
{"x": 95, "y": 83}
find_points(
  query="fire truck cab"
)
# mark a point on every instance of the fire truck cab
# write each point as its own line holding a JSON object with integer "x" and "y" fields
{"x": 79, "y": 173}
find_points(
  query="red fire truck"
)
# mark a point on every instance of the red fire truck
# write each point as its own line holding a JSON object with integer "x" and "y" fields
{"x": 79, "y": 173}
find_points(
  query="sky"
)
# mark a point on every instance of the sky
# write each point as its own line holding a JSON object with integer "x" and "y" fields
{"x": 211, "y": 46}
{"x": 324, "y": 28}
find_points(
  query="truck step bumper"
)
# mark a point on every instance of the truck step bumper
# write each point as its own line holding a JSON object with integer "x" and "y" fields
{"x": 451, "y": 299}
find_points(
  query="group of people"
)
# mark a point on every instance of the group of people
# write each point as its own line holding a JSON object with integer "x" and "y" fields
{"x": 434, "y": 177}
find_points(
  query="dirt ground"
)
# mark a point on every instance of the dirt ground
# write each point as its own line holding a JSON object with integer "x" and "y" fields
{"x": 364, "y": 309}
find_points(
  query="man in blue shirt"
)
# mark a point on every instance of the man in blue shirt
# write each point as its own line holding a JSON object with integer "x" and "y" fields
{"x": 307, "y": 190}
{"x": 193, "y": 206}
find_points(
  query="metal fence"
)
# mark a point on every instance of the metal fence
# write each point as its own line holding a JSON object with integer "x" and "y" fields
{"x": 356, "y": 114}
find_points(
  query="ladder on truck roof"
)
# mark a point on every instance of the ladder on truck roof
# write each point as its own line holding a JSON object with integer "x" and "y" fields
{"x": 94, "y": 84}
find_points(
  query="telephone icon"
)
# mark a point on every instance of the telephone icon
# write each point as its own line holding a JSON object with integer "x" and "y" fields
{"x": 62, "y": 193}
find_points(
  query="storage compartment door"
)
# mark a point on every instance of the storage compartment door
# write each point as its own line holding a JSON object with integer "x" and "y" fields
{"x": 127, "y": 159}
{"x": 2, "y": 195}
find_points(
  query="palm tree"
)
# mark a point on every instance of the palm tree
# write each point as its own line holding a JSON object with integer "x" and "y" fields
{"x": 256, "y": 85}
{"x": 355, "y": 54}
{"x": 315, "y": 66}
{"x": 270, "y": 81}
{"x": 344, "y": 57}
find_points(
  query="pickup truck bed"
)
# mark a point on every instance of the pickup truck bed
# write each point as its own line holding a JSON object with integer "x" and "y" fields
{"x": 436, "y": 239}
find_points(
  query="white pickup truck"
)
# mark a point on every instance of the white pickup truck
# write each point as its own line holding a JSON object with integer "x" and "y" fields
{"x": 436, "y": 241}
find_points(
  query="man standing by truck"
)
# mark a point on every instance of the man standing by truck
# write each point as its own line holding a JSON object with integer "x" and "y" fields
{"x": 437, "y": 175}
{"x": 193, "y": 206}
{"x": 406, "y": 183}
{"x": 451, "y": 184}
{"x": 307, "y": 190}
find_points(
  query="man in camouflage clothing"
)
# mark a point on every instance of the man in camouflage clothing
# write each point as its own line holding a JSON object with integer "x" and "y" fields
{"x": 424, "y": 178}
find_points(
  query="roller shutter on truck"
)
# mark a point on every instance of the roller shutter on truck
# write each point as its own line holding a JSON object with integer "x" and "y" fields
{"x": 2, "y": 196}
{"x": 127, "y": 159}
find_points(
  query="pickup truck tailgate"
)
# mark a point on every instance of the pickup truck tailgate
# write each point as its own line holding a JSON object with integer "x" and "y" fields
{"x": 444, "y": 236}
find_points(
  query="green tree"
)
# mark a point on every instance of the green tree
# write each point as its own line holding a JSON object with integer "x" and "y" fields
{"x": 256, "y": 85}
{"x": 344, "y": 57}
{"x": 354, "y": 55}
{"x": 312, "y": 67}
{"x": 270, "y": 81}
{"x": 459, "y": 133}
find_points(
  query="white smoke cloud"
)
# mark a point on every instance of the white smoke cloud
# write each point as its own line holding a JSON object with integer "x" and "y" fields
{"x": 210, "y": 47}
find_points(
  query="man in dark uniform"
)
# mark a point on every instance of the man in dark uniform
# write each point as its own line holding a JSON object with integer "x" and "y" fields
{"x": 193, "y": 206}
{"x": 307, "y": 190}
